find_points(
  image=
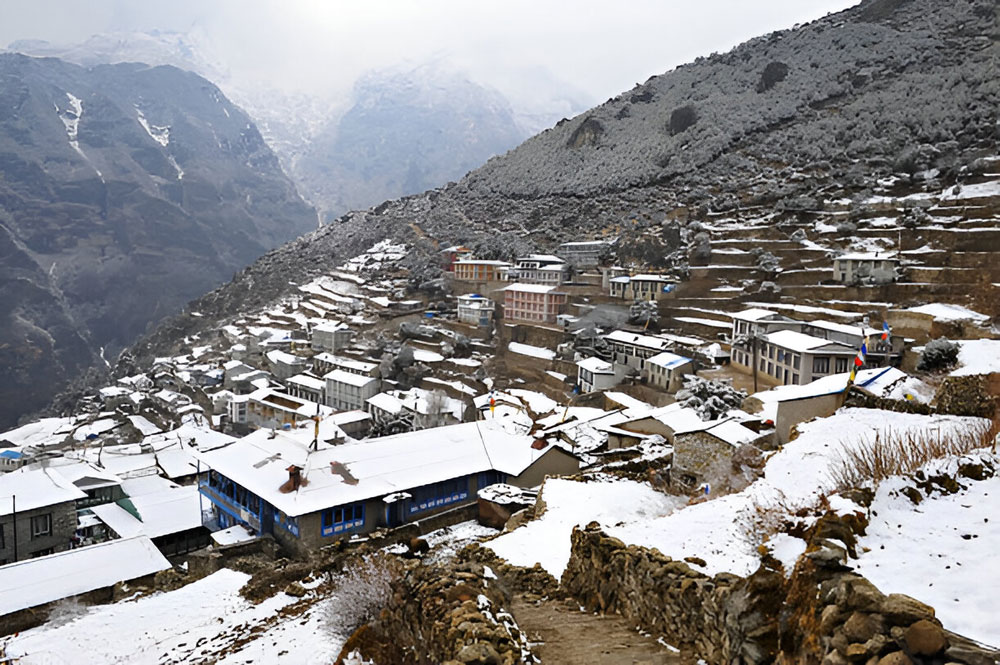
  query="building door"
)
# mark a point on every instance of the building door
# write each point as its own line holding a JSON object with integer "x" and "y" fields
{"x": 786, "y": 377}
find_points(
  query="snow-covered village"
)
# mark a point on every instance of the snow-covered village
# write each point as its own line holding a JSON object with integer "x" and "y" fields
{"x": 723, "y": 400}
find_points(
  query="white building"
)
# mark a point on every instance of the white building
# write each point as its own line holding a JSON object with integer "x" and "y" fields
{"x": 594, "y": 374}
{"x": 667, "y": 370}
{"x": 323, "y": 363}
{"x": 331, "y": 337}
{"x": 633, "y": 349}
{"x": 790, "y": 357}
{"x": 346, "y": 391}
{"x": 583, "y": 253}
{"x": 476, "y": 310}
{"x": 283, "y": 364}
{"x": 876, "y": 266}
{"x": 308, "y": 387}
{"x": 540, "y": 269}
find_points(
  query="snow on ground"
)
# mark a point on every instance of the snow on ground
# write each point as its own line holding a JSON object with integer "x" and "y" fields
{"x": 533, "y": 351}
{"x": 198, "y": 623}
{"x": 977, "y": 356}
{"x": 722, "y": 531}
{"x": 946, "y": 312}
{"x": 613, "y": 503}
{"x": 942, "y": 552}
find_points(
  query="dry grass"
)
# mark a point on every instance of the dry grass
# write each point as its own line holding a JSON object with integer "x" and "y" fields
{"x": 871, "y": 461}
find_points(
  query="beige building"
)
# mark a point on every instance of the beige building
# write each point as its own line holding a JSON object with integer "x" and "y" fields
{"x": 788, "y": 357}
{"x": 640, "y": 287}
{"x": 480, "y": 270}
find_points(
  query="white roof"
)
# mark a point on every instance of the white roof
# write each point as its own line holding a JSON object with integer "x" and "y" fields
{"x": 144, "y": 426}
{"x": 877, "y": 380}
{"x": 385, "y": 402}
{"x": 483, "y": 262}
{"x": 32, "y": 488}
{"x": 552, "y": 258}
{"x": 162, "y": 513}
{"x": 732, "y": 432}
{"x": 754, "y": 314}
{"x": 638, "y": 339}
{"x": 796, "y": 341}
{"x": 351, "y": 379}
{"x": 81, "y": 473}
{"x": 49, "y": 578}
{"x": 585, "y": 243}
{"x": 531, "y": 288}
{"x": 623, "y": 279}
{"x": 352, "y": 363}
{"x": 302, "y": 407}
{"x": 668, "y": 360}
{"x": 354, "y": 416}
{"x": 278, "y": 356}
{"x": 232, "y": 364}
{"x": 596, "y": 365}
{"x": 381, "y": 466}
{"x": 331, "y": 326}
{"x": 306, "y": 381}
{"x": 234, "y": 534}
{"x": 869, "y": 256}
{"x": 650, "y": 278}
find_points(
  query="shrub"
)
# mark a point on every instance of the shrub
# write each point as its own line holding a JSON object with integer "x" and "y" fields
{"x": 939, "y": 354}
{"x": 711, "y": 399}
{"x": 360, "y": 592}
{"x": 894, "y": 453}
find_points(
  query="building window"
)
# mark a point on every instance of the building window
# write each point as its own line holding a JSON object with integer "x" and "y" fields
{"x": 841, "y": 364}
{"x": 781, "y": 356}
{"x": 41, "y": 525}
{"x": 770, "y": 368}
{"x": 795, "y": 379}
{"x": 821, "y": 365}
{"x": 3, "y": 545}
{"x": 342, "y": 518}
{"x": 795, "y": 361}
{"x": 440, "y": 494}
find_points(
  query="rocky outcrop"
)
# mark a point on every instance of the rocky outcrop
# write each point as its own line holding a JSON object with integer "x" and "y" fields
{"x": 447, "y": 613}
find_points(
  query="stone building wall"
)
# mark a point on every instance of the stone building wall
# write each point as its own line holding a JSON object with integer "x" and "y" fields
{"x": 63, "y": 520}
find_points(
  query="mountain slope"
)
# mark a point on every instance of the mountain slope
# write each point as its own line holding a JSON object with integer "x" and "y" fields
{"x": 406, "y": 131}
{"x": 779, "y": 124}
{"x": 125, "y": 191}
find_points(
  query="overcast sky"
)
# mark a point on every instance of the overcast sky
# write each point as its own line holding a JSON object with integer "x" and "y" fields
{"x": 598, "y": 48}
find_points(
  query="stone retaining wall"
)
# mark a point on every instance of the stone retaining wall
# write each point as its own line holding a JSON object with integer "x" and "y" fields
{"x": 447, "y": 613}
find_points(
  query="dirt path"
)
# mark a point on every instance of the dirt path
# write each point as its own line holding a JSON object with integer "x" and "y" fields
{"x": 564, "y": 635}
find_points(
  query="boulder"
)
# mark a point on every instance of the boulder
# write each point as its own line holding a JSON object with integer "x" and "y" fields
{"x": 901, "y": 609}
{"x": 478, "y": 654}
{"x": 895, "y": 658}
{"x": 925, "y": 638}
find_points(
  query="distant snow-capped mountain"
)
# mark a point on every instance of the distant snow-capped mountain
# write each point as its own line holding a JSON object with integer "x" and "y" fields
{"x": 398, "y": 131}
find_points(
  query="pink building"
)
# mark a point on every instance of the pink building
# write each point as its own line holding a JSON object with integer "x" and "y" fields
{"x": 533, "y": 302}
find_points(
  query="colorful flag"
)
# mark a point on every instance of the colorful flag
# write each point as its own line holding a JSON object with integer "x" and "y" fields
{"x": 885, "y": 331}
{"x": 859, "y": 360}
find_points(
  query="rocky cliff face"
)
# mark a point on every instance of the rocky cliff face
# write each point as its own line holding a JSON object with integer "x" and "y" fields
{"x": 125, "y": 191}
{"x": 777, "y": 125}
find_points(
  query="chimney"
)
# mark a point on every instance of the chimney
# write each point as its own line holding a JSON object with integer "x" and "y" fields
{"x": 295, "y": 480}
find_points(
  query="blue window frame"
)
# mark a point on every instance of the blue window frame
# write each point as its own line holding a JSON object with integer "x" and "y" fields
{"x": 440, "y": 494}
{"x": 487, "y": 478}
{"x": 342, "y": 518}
{"x": 287, "y": 522}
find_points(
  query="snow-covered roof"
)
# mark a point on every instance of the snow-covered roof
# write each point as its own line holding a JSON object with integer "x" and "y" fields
{"x": 347, "y": 417}
{"x": 161, "y": 513}
{"x": 638, "y": 339}
{"x": 650, "y": 278}
{"x": 531, "y": 288}
{"x": 49, "y": 578}
{"x": 277, "y": 356}
{"x": 331, "y": 326}
{"x": 381, "y": 466}
{"x": 878, "y": 380}
{"x": 668, "y": 360}
{"x": 623, "y": 279}
{"x": 34, "y": 488}
{"x": 385, "y": 402}
{"x": 596, "y": 365}
{"x": 483, "y": 262}
{"x": 754, "y": 314}
{"x": 550, "y": 258}
{"x": 343, "y": 362}
{"x": 234, "y": 534}
{"x": 867, "y": 256}
{"x": 82, "y": 474}
{"x": 306, "y": 381}
{"x": 800, "y": 342}
{"x": 349, "y": 378}
{"x": 529, "y": 350}
{"x": 585, "y": 243}
{"x": 145, "y": 427}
